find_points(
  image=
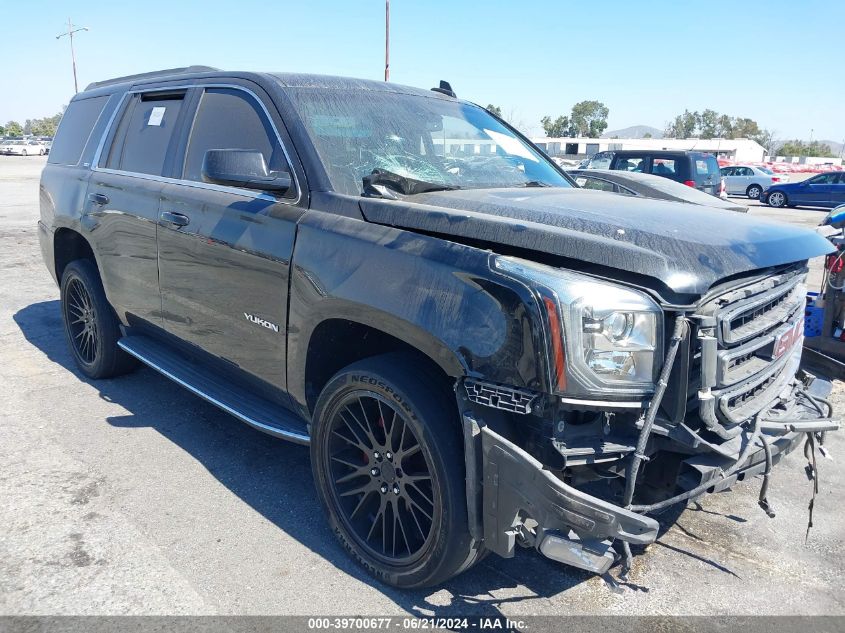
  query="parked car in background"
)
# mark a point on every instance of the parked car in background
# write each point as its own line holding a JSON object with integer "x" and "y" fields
{"x": 648, "y": 186}
{"x": 694, "y": 169}
{"x": 749, "y": 180}
{"x": 23, "y": 148}
{"x": 823, "y": 190}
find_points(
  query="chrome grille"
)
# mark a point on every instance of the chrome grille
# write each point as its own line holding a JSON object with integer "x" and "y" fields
{"x": 747, "y": 324}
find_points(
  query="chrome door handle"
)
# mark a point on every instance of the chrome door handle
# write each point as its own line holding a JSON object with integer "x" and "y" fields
{"x": 173, "y": 219}
{"x": 99, "y": 199}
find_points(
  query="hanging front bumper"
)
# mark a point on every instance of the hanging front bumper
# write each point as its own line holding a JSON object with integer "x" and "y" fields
{"x": 521, "y": 498}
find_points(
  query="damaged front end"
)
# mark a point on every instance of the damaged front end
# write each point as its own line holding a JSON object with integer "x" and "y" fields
{"x": 576, "y": 477}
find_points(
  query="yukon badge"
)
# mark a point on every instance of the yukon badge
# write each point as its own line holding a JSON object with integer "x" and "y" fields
{"x": 260, "y": 321}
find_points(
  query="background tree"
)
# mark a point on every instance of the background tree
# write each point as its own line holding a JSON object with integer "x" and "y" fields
{"x": 725, "y": 127}
{"x": 683, "y": 126}
{"x": 801, "y": 148}
{"x": 710, "y": 124}
{"x": 494, "y": 110}
{"x": 46, "y": 126}
{"x": 588, "y": 118}
{"x": 745, "y": 128}
{"x": 13, "y": 128}
{"x": 2, "y": 130}
{"x": 557, "y": 128}
{"x": 707, "y": 124}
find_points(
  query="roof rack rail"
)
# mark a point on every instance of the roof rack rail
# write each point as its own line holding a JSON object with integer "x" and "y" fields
{"x": 151, "y": 75}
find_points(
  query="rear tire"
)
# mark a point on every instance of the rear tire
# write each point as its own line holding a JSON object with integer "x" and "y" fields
{"x": 754, "y": 192}
{"x": 777, "y": 199}
{"x": 91, "y": 327}
{"x": 388, "y": 461}
{"x": 23, "y": 152}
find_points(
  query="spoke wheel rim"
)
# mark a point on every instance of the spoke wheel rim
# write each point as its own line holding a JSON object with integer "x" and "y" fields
{"x": 754, "y": 192}
{"x": 380, "y": 479}
{"x": 81, "y": 319}
{"x": 776, "y": 199}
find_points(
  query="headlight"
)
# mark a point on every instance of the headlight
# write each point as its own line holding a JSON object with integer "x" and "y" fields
{"x": 611, "y": 334}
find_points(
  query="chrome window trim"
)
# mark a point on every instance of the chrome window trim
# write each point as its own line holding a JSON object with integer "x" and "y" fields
{"x": 251, "y": 193}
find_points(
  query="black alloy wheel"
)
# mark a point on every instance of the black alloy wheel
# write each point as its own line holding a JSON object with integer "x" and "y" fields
{"x": 382, "y": 481}
{"x": 387, "y": 454}
{"x": 80, "y": 317}
{"x": 91, "y": 326}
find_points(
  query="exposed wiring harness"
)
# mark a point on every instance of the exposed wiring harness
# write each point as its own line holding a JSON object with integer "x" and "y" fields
{"x": 756, "y": 439}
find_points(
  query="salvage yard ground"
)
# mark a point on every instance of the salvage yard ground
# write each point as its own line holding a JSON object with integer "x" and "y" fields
{"x": 132, "y": 496}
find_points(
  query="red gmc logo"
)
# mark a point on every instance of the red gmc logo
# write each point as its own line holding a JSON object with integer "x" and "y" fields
{"x": 789, "y": 338}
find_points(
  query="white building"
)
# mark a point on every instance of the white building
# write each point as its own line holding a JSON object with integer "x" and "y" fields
{"x": 741, "y": 150}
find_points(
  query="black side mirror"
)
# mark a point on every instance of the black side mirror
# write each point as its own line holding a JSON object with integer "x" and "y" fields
{"x": 242, "y": 168}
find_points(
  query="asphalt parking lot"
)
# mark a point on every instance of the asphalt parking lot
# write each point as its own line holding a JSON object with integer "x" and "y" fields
{"x": 132, "y": 496}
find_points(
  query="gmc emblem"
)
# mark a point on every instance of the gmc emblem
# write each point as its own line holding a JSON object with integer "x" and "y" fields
{"x": 786, "y": 340}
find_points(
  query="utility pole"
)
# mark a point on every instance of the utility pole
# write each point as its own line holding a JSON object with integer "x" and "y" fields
{"x": 387, "y": 40}
{"x": 70, "y": 31}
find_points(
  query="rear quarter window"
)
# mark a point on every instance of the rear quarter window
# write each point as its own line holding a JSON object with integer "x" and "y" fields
{"x": 74, "y": 130}
{"x": 707, "y": 166}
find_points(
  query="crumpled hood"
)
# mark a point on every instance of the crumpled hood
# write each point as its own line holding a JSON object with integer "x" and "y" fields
{"x": 687, "y": 247}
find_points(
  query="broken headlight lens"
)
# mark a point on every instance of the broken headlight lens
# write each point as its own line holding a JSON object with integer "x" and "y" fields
{"x": 611, "y": 334}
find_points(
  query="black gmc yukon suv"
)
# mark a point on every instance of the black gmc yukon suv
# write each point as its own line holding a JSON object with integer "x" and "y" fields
{"x": 479, "y": 353}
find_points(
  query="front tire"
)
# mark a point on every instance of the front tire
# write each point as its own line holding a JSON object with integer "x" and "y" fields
{"x": 91, "y": 327}
{"x": 388, "y": 462}
{"x": 777, "y": 199}
{"x": 754, "y": 192}
{"x": 23, "y": 152}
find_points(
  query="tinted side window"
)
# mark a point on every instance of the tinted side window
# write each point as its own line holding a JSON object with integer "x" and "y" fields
{"x": 663, "y": 167}
{"x": 74, "y": 130}
{"x": 630, "y": 163}
{"x": 231, "y": 119}
{"x": 143, "y": 137}
{"x": 824, "y": 179}
{"x": 588, "y": 182}
{"x": 706, "y": 166}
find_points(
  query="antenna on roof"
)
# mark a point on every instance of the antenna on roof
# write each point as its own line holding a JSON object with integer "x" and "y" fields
{"x": 446, "y": 89}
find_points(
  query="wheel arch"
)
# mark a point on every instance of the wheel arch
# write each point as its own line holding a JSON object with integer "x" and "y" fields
{"x": 339, "y": 341}
{"x": 69, "y": 245}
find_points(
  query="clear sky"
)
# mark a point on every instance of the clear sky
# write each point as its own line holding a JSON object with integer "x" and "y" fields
{"x": 778, "y": 62}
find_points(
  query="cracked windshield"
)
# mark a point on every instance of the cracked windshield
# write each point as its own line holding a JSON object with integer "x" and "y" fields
{"x": 411, "y": 144}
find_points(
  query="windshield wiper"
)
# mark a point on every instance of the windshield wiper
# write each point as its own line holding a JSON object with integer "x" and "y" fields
{"x": 378, "y": 183}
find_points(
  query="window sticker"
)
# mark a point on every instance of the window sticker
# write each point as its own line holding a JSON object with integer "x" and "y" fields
{"x": 156, "y": 116}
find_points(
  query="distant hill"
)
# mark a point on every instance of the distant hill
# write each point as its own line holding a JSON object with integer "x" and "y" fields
{"x": 835, "y": 147}
{"x": 635, "y": 131}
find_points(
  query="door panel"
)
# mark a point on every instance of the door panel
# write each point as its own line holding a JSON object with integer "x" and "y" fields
{"x": 224, "y": 275}
{"x": 837, "y": 195}
{"x": 122, "y": 203}
{"x": 224, "y": 252}
{"x": 126, "y": 242}
{"x": 815, "y": 192}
